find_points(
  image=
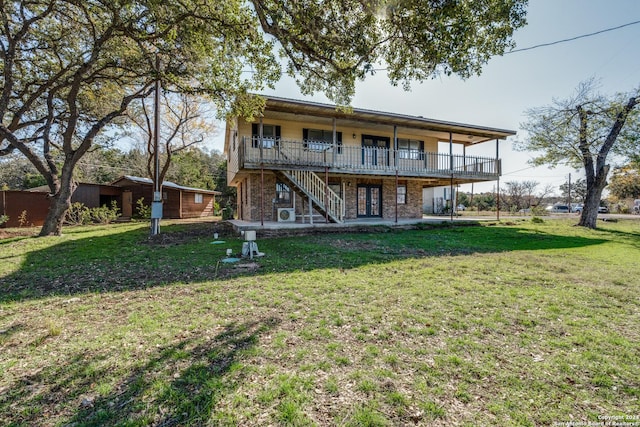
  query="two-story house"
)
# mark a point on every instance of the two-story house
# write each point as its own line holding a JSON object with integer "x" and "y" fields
{"x": 303, "y": 160}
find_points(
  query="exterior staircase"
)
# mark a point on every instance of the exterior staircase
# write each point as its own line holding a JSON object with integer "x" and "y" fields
{"x": 308, "y": 184}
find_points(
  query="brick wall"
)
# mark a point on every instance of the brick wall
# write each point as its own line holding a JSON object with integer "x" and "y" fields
{"x": 249, "y": 203}
{"x": 413, "y": 206}
{"x": 256, "y": 192}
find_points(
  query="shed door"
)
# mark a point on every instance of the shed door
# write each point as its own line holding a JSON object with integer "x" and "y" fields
{"x": 127, "y": 204}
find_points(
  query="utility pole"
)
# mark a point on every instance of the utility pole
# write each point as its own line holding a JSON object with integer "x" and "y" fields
{"x": 569, "y": 191}
{"x": 156, "y": 204}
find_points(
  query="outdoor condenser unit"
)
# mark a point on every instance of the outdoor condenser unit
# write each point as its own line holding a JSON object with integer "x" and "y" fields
{"x": 286, "y": 215}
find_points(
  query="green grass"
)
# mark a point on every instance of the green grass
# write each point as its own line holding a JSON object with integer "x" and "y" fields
{"x": 512, "y": 324}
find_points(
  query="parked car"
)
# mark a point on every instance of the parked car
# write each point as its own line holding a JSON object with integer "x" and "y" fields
{"x": 558, "y": 209}
{"x": 603, "y": 209}
{"x": 461, "y": 207}
{"x": 577, "y": 208}
{"x": 636, "y": 207}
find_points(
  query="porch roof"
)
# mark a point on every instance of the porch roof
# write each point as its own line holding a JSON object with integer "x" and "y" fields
{"x": 462, "y": 133}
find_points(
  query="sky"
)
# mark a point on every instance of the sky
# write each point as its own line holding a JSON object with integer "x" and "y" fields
{"x": 515, "y": 82}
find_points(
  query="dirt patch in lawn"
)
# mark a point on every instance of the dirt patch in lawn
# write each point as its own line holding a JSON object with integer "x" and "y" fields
{"x": 16, "y": 232}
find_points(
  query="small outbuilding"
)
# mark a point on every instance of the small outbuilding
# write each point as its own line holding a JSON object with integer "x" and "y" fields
{"x": 30, "y": 207}
{"x": 178, "y": 201}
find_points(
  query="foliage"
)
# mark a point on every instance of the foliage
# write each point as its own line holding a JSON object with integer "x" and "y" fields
{"x": 227, "y": 213}
{"x": 17, "y": 173}
{"x": 78, "y": 214}
{"x": 625, "y": 182}
{"x": 103, "y": 165}
{"x": 71, "y": 70}
{"x": 3, "y": 219}
{"x": 484, "y": 201}
{"x": 143, "y": 210}
{"x": 516, "y": 195}
{"x": 578, "y": 190}
{"x": 23, "y": 219}
{"x": 539, "y": 210}
{"x": 229, "y": 196}
{"x": 581, "y": 131}
{"x": 331, "y": 44}
{"x": 184, "y": 123}
{"x": 194, "y": 167}
{"x": 105, "y": 214}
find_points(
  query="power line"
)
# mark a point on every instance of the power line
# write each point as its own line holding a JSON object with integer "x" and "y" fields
{"x": 573, "y": 38}
{"x": 538, "y": 45}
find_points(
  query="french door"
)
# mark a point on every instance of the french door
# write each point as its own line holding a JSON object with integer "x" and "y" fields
{"x": 369, "y": 200}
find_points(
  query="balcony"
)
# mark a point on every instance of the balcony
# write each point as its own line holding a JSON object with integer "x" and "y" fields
{"x": 280, "y": 154}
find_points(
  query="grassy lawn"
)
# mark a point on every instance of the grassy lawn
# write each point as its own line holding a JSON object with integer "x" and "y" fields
{"x": 515, "y": 323}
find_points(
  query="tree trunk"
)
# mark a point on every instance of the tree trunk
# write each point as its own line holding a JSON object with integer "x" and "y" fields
{"x": 59, "y": 205}
{"x": 589, "y": 216}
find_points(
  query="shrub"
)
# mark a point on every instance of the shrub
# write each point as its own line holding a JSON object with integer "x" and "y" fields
{"x": 539, "y": 211}
{"x": 23, "y": 221}
{"x": 78, "y": 214}
{"x": 3, "y": 219}
{"x": 143, "y": 211}
{"x": 622, "y": 208}
{"x": 105, "y": 214}
{"x": 537, "y": 220}
{"x": 227, "y": 213}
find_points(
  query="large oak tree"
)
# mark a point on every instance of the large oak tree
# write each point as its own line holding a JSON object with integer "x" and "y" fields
{"x": 71, "y": 68}
{"x": 581, "y": 131}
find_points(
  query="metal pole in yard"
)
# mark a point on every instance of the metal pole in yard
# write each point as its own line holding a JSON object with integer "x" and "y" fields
{"x": 395, "y": 160}
{"x": 156, "y": 203}
{"x": 397, "y": 195}
{"x": 498, "y": 186}
{"x": 451, "y": 198}
{"x": 451, "y": 168}
{"x": 326, "y": 195}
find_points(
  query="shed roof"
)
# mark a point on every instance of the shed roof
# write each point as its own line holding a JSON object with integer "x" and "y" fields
{"x": 168, "y": 184}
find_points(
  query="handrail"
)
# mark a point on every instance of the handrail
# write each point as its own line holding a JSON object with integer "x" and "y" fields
{"x": 293, "y": 153}
{"x": 317, "y": 188}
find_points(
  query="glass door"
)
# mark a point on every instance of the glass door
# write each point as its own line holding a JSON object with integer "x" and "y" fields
{"x": 375, "y": 150}
{"x": 369, "y": 201}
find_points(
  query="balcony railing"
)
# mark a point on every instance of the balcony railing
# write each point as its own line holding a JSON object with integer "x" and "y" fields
{"x": 284, "y": 154}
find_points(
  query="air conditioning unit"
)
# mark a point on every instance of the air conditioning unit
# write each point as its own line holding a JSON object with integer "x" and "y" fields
{"x": 286, "y": 215}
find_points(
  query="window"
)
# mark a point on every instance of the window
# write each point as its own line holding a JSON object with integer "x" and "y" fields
{"x": 198, "y": 198}
{"x": 321, "y": 140}
{"x": 270, "y": 135}
{"x": 402, "y": 194}
{"x": 283, "y": 193}
{"x": 336, "y": 188}
{"x": 410, "y": 149}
